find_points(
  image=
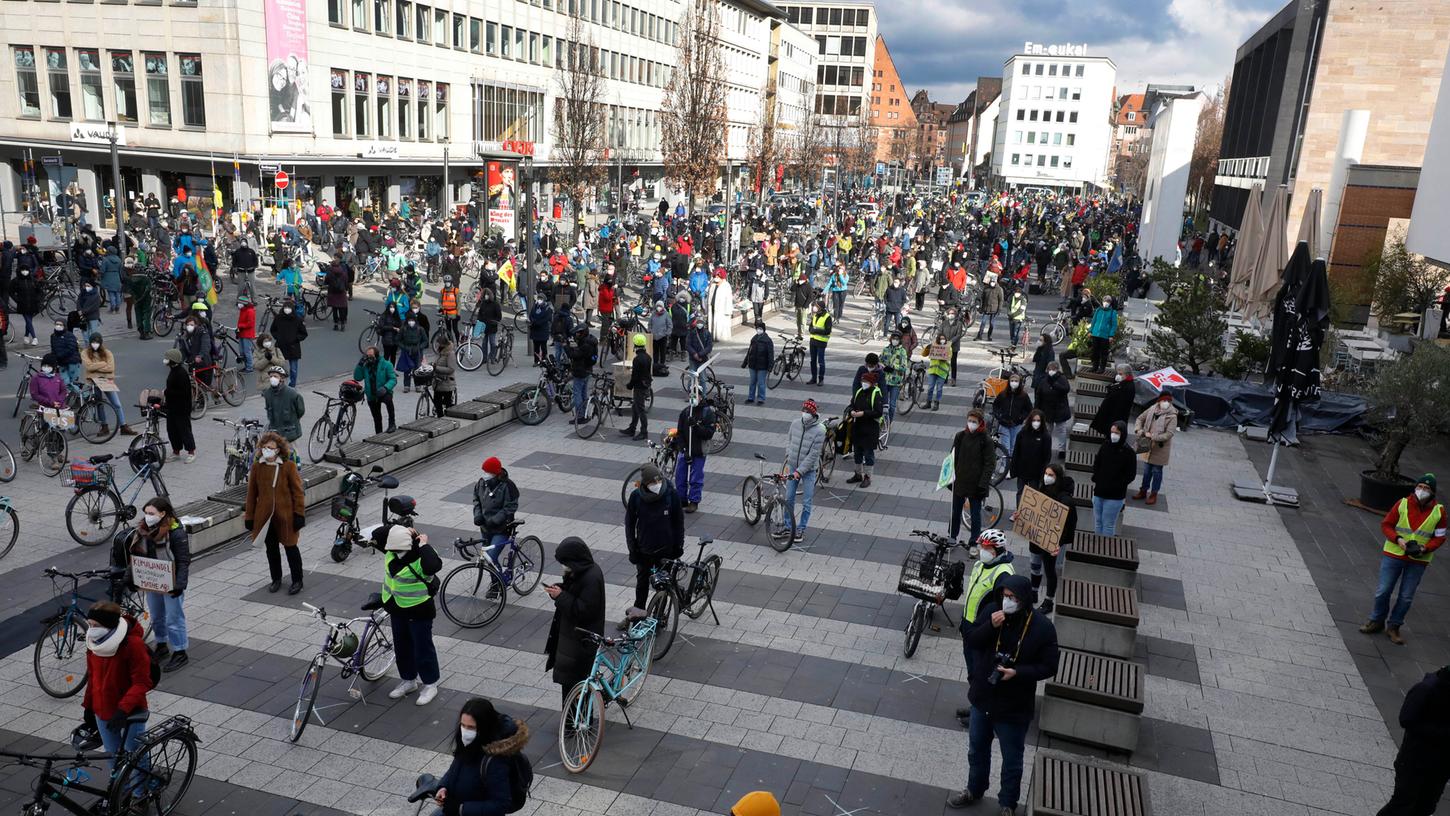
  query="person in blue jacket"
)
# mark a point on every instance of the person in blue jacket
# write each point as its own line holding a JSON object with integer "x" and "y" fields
{"x": 1104, "y": 328}
{"x": 699, "y": 278}
{"x": 486, "y": 746}
{"x": 541, "y": 320}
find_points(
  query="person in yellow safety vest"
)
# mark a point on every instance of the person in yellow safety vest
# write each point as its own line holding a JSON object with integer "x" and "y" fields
{"x": 1414, "y": 529}
{"x": 410, "y": 580}
{"x": 993, "y": 562}
{"x": 448, "y": 304}
{"x": 820, "y": 335}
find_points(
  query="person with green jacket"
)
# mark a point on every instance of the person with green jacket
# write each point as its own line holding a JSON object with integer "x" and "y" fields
{"x": 378, "y": 381}
{"x": 138, "y": 287}
{"x": 896, "y": 362}
{"x": 285, "y": 407}
{"x": 1104, "y": 328}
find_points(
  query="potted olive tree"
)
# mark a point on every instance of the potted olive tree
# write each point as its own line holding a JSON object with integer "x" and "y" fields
{"x": 1407, "y": 402}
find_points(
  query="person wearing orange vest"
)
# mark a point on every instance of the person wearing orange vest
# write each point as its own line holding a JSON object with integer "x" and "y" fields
{"x": 448, "y": 305}
{"x": 1414, "y": 528}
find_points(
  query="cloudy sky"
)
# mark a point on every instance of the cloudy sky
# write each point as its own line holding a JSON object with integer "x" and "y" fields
{"x": 944, "y": 45}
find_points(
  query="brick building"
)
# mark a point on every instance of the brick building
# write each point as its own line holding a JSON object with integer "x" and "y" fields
{"x": 891, "y": 113}
{"x": 931, "y": 132}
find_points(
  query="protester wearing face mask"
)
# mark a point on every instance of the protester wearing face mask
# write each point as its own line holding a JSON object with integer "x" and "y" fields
{"x": 66, "y": 350}
{"x": 895, "y": 364}
{"x": 1113, "y": 470}
{"x": 289, "y": 330}
{"x": 975, "y": 458}
{"x": 285, "y": 406}
{"x": 1010, "y": 409}
{"x": 378, "y": 381}
{"x": 803, "y": 444}
{"x": 1118, "y": 402}
{"x": 1155, "y": 429}
{"x": 1003, "y": 696}
{"x": 578, "y": 604}
{"x": 661, "y": 329}
{"x": 1031, "y": 454}
{"x": 98, "y": 363}
{"x": 541, "y": 322}
{"x": 27, "y": 294}
{"x": 938, "y": 368}
{"x": 759, "y": 358}
{"x": 864, "y": 417}
{"x": 160, "y": 535}
{"x": 48, "y": 388}
{"x": 1052, "y": 398}
{"x": 1104, "y": 327}
{"x": 1041, "y": 356}
{"x": 410, "y": 570}
{"x": 1058, "y": 486}
{"x": 654, "y": 529}
{"x": 487, "y": 756}
{"x": 820, "y": 328}
{"x": 267, "y": 357}
{"x": 1414, "y": 528}
{"x": 88, "y": 303}
{"x": 118, "y": 672}
{"x": 413, "y": 342}
{"x": 178, "y": 392}
{"x": 992, "y": 562}
{"x": 275, "y": 511}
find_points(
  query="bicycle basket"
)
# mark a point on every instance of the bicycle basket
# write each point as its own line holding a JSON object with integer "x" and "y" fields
{"x": 918, "y": 576}
{"x": 643, "y": 628}
{"x": 85, "y": 474}
{"x": 344, "y": 646}
{"x": 994, "y": 386}
{"x": 351, "y": 391}
{"x": 344, "y": 507}
{"x": 423, "y": 376}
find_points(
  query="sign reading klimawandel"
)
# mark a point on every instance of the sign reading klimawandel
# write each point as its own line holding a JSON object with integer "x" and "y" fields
{"x": 290, "y": 111}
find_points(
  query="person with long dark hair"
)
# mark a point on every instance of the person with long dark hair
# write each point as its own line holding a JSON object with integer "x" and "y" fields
{"x": 487, "y": 747}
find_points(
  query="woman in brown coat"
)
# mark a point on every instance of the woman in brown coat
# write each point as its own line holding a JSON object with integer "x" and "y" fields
{"x": 276, "y": 510}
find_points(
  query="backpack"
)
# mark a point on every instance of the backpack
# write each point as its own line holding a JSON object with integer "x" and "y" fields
{"x": 521, "y": 779}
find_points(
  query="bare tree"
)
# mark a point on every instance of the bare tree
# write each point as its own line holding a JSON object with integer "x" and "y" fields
{"x": 692, "y": 122}
{"x": 579, "y": 126}
{"x": 1203, "y": 167}
{"x": 807, "y": 155}
{"x": 860, "y": 146}
{"x": 764, "y": 149}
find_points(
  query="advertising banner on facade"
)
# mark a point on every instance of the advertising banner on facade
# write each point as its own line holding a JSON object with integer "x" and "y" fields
{"x": 289, "y": 109}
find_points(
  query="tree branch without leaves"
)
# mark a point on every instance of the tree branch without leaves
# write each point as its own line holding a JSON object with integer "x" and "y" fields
{"x": 579, "y": 136}
{"x": 692, "y": 124}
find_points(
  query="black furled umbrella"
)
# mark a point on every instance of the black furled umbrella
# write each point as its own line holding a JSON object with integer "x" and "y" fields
{"x": 1301, "y": 312}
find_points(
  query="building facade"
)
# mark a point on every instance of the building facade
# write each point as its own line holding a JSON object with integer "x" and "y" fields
{"x": 971, "y": 129}
{"x": 845, "y": 35}
{"x": 1173, "y": 129}
{"x": 1054, "y": 128}
{"x": 1427, "y": 235}
{"x": 931, "y": 132}
{"x": 891, "y": 113}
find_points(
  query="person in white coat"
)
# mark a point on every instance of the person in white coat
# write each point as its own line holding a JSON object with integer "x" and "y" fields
{"x": 721, "y": 300}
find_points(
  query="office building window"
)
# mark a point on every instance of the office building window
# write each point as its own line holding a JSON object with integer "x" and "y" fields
{"x": 460, "y": 29}
{"x": 505, "y": 42}
{"x": 360, "y": 14}
{"x": 1038, "y": 70}
{"x": 337, "y": 84}
{"x": 384, "y": 97}
{"x": 361, "y": 102}
{"x": 93, "y": 94}
{"x": 440, "y": 27}
{"x": 1057, "y": 138}
{"x": 193, "y": 93}
{"x": 475, "y": 35}
{"x": 1054, "y": 161}
{"x": 158, "y": 90}
{"x": 1032, "y": 137}
{"x": 807, "y": 15}
{"x": 425, "y": 108}
{"x": 1042, "y": 161}
{"x": 27, "y": 84}
{"x": 533, "y": 48}
{"x": 490, "y": 33}
{"x": 835, "y": 16}
{"x": 405, "y": 107}
{"x": 1077, "y": 93}
{"x": 1052, "y": 70}
{"x": 440, "y": 112}
{"x": 1017, "y": 136}
{"x": 1036, "y": 91}
{"x": 381, "y": 17}
{"x": 1026, "y": 69}
{"x": 1071, "y": 139}
{"x": 548, "y": 51}
{"x": 423, "y": 24}
{"x": 1060, "y": 115}
{"x": 403, "y": 19}
{"x": 1022, "y": 114}
{"x": 519, "y": 53}
{"x": 57, "y": 76}
{"x": 1016, "y": 158}
{"x": 1067, "y": 161}
{"x": 337, "y": 12}
{"x": 123, "y": 86}
{"x": 1072, "y": 116}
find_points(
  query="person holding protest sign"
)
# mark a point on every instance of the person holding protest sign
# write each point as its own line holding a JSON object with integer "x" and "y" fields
{"x": 1048, "y": 557}
{"x": 160, "y": 537}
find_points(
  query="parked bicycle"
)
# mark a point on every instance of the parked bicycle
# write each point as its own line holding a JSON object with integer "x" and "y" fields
{"x": 663, "y": 457}
{"x": 913, "y": 389}
{"x": 473, "y": 595}
{"x": 225, "y": 386}
{"x": 333, "y": 429}
{"x": 553, "y": 388}
{"x": 931, "y": 577}
{"x": 367, "y": 654}
{"x": 682, "y": 587}
{"x": 241, "y": 451}
{"x": 148, "y": 445}
{"x": 872, "y": 327}
{"x": 345, "y": 505}
{"x": 827, "y": 466}
{"x": 788, "y": 361}
{"x": 763, "y": 496}
{"x": 43, "y": 434}
{"x": 621, "y": 665}
{"x": 59, "y": 658}
{"x": 99, "y": 506}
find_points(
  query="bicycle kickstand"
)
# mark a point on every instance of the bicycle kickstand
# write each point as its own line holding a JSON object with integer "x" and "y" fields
{"x": 624, "y": 709}
{"x": 710, "y": 604}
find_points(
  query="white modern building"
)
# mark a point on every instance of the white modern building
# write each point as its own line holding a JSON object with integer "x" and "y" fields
{"x": 793, "y": 71}
{"x": 364, "y": 100}
{"x": 845, "y": 35}
{"x": 1055, "y": 128}
{"x": 1173, "y": 120}
{"x": 1427, "y": 234}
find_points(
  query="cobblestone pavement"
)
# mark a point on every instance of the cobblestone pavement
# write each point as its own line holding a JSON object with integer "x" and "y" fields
{"x": 1254, "y": 703}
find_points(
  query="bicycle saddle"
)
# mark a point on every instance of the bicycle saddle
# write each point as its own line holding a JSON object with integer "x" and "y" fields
{"x": 375, "y": 601}
{"x": 101, "y": 458}
{"x": 427, "y": 785}
{"x": 514, "y": 525}
{"x": 388, "y": 483}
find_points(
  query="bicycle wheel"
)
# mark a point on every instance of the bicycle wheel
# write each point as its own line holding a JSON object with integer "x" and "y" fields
{"x": 1054, "y": 333}
{"x": 97, "y": 421}
{"x": 31, "y": 435}
{"x": 319, "y": 440}
{"x": 156, "y": 451}
{"x": 154, "y": 778}
{"x": 630, "y": 483}
{"x": 979, "y": 399}
{"x": 581, "y": 727}
{"x": 91, "y": 516}
{"x": 22, "y": 394}
{"x": 593, "y": 415}
{"x": 469, "y": 356}
{"x": 377, "y": 654}
{"x": 1003, "y": 463}
{"x": 703, "y": 589}
{"x": 533, "y": 406}
{"x": 199, "y": 400}
{"x": 163, "y": 322}
{"x": 9, "y": 530}
{"x": 235, "y": 473}
{"x": 797, "y": 362}
{"x": 919, "y": 398}
{"x": 367, "y": 337}
{"x": 521, "y": 321}
{"x": 346, "y": 422}
{"x": 777, "y": 371}
{"x": 527, "y": 564}
{"x": 425, "y": 406}
{"x": 54, "y": 452}
{"x": 635, "y": 671}
{"x": 779, "y": 518}
{"x": 992, "y": 508}
{"x": 231, "y": 387}
{"x": 724, "y": 429}
{"x": 912, "y": 387}
{"x": 7, "y": 462}
{"x": 498, "y": 362}
{"x": 60, "y": 656}
{"x": 473, "y": 596}
{"x": 828, "y": 461}
{"x": 750, "y": 499}
{"x": 307, "y": 697}
{"x": 914, "y": 626}
{"x": 159, "y": 487}
{"x": 132, "y": 604}
{"x": 666, "y": 611}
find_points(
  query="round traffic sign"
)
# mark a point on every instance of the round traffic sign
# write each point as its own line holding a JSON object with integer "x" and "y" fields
{"x": 280, "y": 180}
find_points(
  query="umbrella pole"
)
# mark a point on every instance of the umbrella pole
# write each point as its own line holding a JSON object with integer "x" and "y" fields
{"x": 1266, "y": 491}
{"x": 1269, "y": 477}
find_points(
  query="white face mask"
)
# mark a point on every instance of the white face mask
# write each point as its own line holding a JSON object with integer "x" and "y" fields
{"x": 269, "y": 453}
{"x": 1049, "y": 478}
{"x": 412, "y": 322}
{"x": 96, "y": 346}
{"x": 275, "y": 381}
{"x": 1115, "y": 437}
{"x": 655, "y": 487}
{"x": 985, "y": 554}
{"x": 1422, "y": 494}
{"x": 96, "y": 633}
{"x": 190, "y": 329}
{"x": 152, "y": 519}
{"x": 1036, "y": 424}
{"x": 760, "y": 332}
{"x": 467, "y": 735}
{"x": 25, "y": 273}
{"x": 1010, "y": 605}
{"x": 47, "y": 370}
{"x": 1117, "y": 378}
{"x": 972, "y": 424}
{"x": 60, "y": 327}
{"x": 286, "y": 311}
{"x": 1015, "y": 383}
{"x": 267, "y": 344}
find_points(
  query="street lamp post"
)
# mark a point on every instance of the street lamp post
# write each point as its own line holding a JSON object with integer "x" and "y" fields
{"x": 118, "y": 195}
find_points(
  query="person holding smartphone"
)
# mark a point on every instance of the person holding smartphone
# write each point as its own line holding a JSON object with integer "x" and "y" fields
{"x": 578, "y": 604}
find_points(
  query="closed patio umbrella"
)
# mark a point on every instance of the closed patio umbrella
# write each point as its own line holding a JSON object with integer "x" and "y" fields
{"x": 1246, "y": 251}
{"x": 1272, "y": 257}
{"x": 1310, "y": 230}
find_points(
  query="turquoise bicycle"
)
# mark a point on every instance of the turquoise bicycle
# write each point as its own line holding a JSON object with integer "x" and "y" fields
{"x": 621, "y": 665}
{"x": 470, "y": 594}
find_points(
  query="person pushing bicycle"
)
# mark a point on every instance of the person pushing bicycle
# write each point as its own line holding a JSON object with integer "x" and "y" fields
{"x": 495, "y": 501}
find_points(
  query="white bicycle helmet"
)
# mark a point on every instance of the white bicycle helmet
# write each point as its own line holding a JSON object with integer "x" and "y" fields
{"x": 996, "y": 539}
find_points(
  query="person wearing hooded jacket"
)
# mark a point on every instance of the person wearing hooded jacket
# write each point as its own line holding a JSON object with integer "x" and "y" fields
{"x": 1420, "y": 769}
{"x": 268, "y": 357}
{"x": 1055, "y": 484}
{"x": 410, "y": 580}
{"x": 486, "y": 744}
{"x": 1117, "y": 404}
{"x": 759, "y": 358}
{"x": 495, "y": 501}
{"x": 654, "y": 529}
{"x": 1052, "y": 398}
{"x": 1010, "y": 409}
{"x": 26, "y": 293}
{"x": 803, "y": 443}
{"x": 285, "y": 407}
{"x": 696, "y": 426}
{"x": 1031, "y": 454}
{"x": 578, "y": 604}
{"x": 289, "y": 330}
{"x": 1002, "y": 696}
{"x": 865, "y": 412}
{"x": 975, "y": 459}
{"x": 1113, "y": 470}
{"x": 118, "y": 670}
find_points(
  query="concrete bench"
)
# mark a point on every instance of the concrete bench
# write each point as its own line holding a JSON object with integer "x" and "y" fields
{"x": 358, "y": 454}
{"x": 1082, "y": 492}
{"x": 1095, "y": 700}
{"x": 1087, "y": 437}
{"x": 1095, "y": 617}
{"x": 505, "y": 400}
{"x": 1081, "y": 458}
{"x": 397, "y": 440}
{"x": 1103, "y": 559}
{"x": 1091, "y": 387}
{"x": 472, "y": 411}
{"x": 1076, "y": 786}
{"x": 1085, "y": 410}
{"x": 431, "y": 426}
{"x": 1083, "y": 374}
{"x": 200, "y": 515}
{"x": 518, "y": 388}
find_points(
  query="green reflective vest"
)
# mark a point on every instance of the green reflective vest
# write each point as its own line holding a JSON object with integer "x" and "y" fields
{"x": 407, "y": 588}
{"x": 1420, "y": 535}
{"x": 981, "y": 581}
{"x": 821, "y": 327}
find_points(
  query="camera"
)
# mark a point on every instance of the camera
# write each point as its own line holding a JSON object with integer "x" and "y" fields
{"x": 1003, "y": 661}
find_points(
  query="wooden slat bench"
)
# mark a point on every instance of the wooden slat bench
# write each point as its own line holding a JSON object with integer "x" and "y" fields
{"x": 1086, "y": 437}
{"x": 358, "y": 454}
{"x": 1075, "y": 786}
{"x": 1081, "y": 458}
{"x": 1103, "y": 559}
{"x": 199, "y": 515}
{"x": 503, "y": 399}
{"x": 1095, "y": 700}
{"x": 471, "y": 410}
{"x": 1083, "y": 374}
{"x": 518, "y": 388}
{"x": 1091, "y": 388}
{"x": 432, "y": 426}
{"x": 1096, "y": 617}
{"x": 397, "y": 440}
{"x": 1082, "y": 492}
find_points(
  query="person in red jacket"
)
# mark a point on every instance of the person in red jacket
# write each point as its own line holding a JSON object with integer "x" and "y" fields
{"x": 246, "y": 330}
{"x": 1414, "y": 529}
{"x": 606, "y": 309}
{"x": 119, "y": 668}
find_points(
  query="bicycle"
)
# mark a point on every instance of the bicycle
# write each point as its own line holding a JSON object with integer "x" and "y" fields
{"x": 241, "y": 451}
{"x": 42, "y": 433}
{"x": 789, "y": 361}
{"x": 621, "y": 665}
{"x": 663, "y": 457}
{"x": 423, "y": 384}
{"x": 992, "y": 509}
{"x": 152, "y": 779}
{"x": 828, "y": 451}
{"x": 96, "y": 419}
{"x": 535, "y": 403}
{"x": 1058, "y": 327}
{"x": 521, "y": 566}
{"x": 226, "y": 386}
{"x": 368, "y": 655}
{"x": 372, "y": 334}
{"x": 345, "y": 506}
{"x": 598, "y": 405}
{"x": 672, "y": 595}
{"x": 873, "y": 327}
{"x": 764, "y": 496}
{"x": 98, "y": 506}
{"x": 148, "y": 445}
{"x": 924, "y": 576}
{"x": 333, "y": 429}
{"x": 59, "y": 658}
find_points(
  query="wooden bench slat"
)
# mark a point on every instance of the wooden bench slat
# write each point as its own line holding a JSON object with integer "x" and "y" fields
{"x": 1118, "y": 552}
{"x": 1098, "y": 602}
{"x": 1063, "y": 786}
